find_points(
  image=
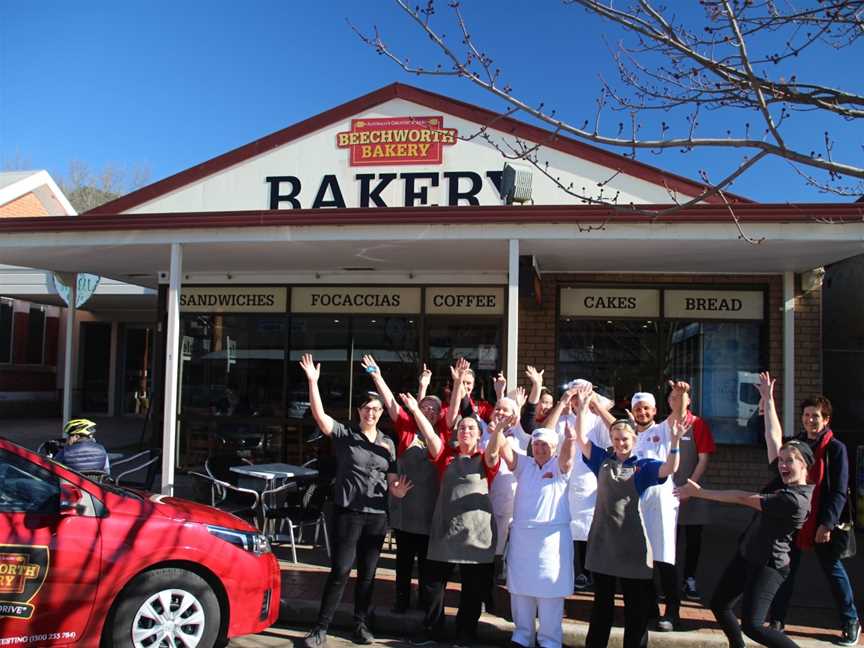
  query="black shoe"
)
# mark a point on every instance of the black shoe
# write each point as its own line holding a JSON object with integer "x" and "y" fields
{"x": 361, "y": 635}
{"x": 851, "y": 633}
{"x": 423, "y": 638}
{"x": 316, "y": 639}
{"x": 777, "y": 626}
{"x": 465, "y": 639}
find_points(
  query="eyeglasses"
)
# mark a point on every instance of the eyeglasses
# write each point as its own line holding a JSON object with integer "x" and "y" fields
{"x": 371, "y": 408}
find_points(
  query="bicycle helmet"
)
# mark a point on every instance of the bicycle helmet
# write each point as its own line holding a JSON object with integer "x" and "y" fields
{"x": 80, "y": 427}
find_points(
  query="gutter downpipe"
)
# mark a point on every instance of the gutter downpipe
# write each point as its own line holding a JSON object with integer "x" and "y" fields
{"x": 172, "y": 369}
{"x": 789, "y": 425}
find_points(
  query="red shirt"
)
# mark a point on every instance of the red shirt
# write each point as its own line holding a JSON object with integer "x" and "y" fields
{"x": 702, "y": 437}
{"x": 450, "y": 452}
{"x": 406, "y": 431}
{"x": 483, "y": 408}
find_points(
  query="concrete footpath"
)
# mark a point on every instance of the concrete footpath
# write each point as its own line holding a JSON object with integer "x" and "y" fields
{"x": 812, "y": 619}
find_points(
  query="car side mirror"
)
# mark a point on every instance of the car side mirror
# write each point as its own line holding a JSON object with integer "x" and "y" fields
{"x": 70, "y": 499}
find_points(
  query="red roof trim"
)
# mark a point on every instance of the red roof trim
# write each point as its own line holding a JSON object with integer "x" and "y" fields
{"x": 747, "y": 213}
{"x": 422, "y": 97}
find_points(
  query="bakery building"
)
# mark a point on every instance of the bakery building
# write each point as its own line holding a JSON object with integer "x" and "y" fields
{"x": 397, "y": 225}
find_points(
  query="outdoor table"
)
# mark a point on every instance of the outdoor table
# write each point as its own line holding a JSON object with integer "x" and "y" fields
{"x": 272, "y": 472}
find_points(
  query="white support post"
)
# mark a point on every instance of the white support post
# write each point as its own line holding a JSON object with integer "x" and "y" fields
{"x": 172, "y": 355}
{"x": 68, "y": 362}
{"x": 789, "y": 423}
{"x": 513, "y": 314}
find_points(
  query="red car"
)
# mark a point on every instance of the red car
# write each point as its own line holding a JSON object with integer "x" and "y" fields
{"x": 88, "y": 564}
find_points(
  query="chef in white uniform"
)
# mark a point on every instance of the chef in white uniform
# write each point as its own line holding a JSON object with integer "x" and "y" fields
{"x": 540, "y": 561}
{"x": 659, "y": 505}
{"x": 582, "y": 491}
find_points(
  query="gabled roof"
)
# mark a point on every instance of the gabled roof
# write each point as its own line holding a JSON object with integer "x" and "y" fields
{"x": 460, "y": 109}
{"x": 14, "y": 184}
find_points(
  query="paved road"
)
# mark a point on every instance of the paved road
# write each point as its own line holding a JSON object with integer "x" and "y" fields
{"x": 290, "y": 636}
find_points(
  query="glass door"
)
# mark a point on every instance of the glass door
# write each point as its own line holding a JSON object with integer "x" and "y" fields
{"x": 136, "y": 386}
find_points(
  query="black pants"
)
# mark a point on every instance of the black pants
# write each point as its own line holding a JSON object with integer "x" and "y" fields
{"x": 636, "y": 594}
{"x": 580, "y": 550}
{"x": 692, "y": 548}
{"x": 667, "y": 575}
{"x": 756, "y": 586}
{"x": 476, "y": 582}
{"x": 355, "y": 535}
{"x": 408, "y": 547}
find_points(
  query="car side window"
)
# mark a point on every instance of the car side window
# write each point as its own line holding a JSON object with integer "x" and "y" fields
{"x": 27, "y": 488}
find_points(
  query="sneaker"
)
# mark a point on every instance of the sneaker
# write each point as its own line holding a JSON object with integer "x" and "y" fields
{"x": 361, "y": 635}
{"x": 689, "y": 589}
{"x": 316, "y": 639}
{"x": 851, "y": 633}
{"x": 777, "y": 626}
{"x": 581, "y": 582}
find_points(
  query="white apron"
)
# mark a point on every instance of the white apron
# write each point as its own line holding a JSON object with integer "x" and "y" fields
{"x": 503, "y": 488}
{"x": 540, "y": 549}
{"x": 582, "y": 491}
{"x": 659, "y": 505}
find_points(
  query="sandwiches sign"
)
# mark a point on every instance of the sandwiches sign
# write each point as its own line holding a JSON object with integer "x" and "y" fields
{"x": 397, "y": 140}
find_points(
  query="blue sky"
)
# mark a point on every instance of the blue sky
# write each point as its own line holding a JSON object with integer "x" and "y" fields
{"x": 167, "y": 85}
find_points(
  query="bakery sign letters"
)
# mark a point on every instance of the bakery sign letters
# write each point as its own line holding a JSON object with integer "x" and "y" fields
{"x": 396, "y": 140}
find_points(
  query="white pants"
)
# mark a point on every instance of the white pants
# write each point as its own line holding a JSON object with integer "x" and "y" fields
{"x": 525, "y": 609}
{"x": 502, "y": 524}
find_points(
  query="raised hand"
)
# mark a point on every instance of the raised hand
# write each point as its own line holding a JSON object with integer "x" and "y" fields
{"x": 312, "y": 370}
{"x": 500, "y": 383}
{"x": 677, "y": 430}
{"x": 521, "y": 397}
{"x": 536, "y": 377}
{"x": 766, "y": 386}
{"x": 400, "y": 486}
{"x": 409, "y": 402}
{"x": 458, "y": 370}
{"x": 425, "y": 376}
{"x": 679, "y": 386}
{"x": 584, "y": 394}
{"x": 368, "y": 363}
{"x": 502, "y": 423}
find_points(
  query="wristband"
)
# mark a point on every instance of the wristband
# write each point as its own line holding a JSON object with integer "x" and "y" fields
{"x": 673, "y": 450}
{"x": 371, "y": 369}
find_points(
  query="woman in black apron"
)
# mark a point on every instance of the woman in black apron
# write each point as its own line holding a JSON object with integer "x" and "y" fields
{"x": 463, "y": 528}
{"x": 618, "y": 547}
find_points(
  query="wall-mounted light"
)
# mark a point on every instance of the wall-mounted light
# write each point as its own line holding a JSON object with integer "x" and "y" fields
{"x": 516, "y": 184}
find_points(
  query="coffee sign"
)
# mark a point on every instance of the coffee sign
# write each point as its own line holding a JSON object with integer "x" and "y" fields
{"x": 715, "y": 304}
{"x": 610, "y": 302}
{"x": 469, "y": 300}
{"x": 363, "y": 300}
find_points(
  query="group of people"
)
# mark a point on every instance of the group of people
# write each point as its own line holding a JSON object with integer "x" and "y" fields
{"x": 560, "y": 495}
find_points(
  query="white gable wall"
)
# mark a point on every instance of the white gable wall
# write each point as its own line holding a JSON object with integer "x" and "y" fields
{"x": 310, "y": 158}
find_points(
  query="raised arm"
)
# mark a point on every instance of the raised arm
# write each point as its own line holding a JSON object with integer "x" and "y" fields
{"x": 773, "y": 429}
{"x": 583, "y": 395}
{"x": 381, "y": 387}
{"x": 744, "y": 498}
{"x": 313, "y": 373}
{"x": 457, "y": 393}
{"x": 676, "y": 431}
{"x": 567, "y": 452}
{"x": 425, "y": 379}
{"x": 498, "y": 446}
{"x": 500, "y": 385}
{"x": 563, "y": 403}
{"x": 536, "y": 378}
{"x": 603, "y": 412}
{"x": 433, "y": 442}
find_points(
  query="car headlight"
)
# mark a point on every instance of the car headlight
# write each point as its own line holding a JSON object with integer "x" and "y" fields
{"x": 252, "y": 542}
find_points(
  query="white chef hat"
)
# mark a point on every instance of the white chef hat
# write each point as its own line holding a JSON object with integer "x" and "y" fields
{"x": 579, "y": 382}
{"x": 643, "y": 397}
{"x": 547, "y": 436}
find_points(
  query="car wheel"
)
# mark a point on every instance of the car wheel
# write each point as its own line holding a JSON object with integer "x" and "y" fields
{"x": 165, "y": 608}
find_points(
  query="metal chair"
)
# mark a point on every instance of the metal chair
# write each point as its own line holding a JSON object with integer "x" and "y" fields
{"x": 309, "y": 513}
{"x": 134, "y": 464}
{"x": 242, "y": 502}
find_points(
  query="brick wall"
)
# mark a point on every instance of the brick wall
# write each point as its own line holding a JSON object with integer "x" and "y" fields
{"x": 26, "y": 205}
{"x": 732, "y": 466}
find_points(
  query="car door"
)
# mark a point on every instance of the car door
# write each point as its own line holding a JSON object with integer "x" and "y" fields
{"x": 50, "y": 558}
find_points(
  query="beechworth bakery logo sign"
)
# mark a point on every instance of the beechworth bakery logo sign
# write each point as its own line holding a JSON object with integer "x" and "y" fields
{"x": 397, "y": 140}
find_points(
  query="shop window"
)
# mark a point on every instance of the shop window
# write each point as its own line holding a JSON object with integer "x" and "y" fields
{"x": 478, "y": 341}
{"x": 232, "y": 366}
{"x": 35, "y": 336}
{"x": 6, "y": 310}
{"x": 720, "y": 359}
